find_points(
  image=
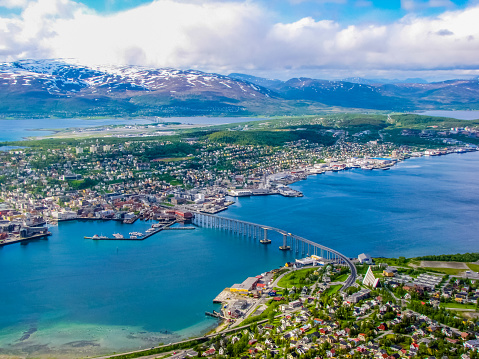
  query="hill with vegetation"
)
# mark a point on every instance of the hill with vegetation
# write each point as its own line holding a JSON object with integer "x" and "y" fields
{"x": 54, "y": 88}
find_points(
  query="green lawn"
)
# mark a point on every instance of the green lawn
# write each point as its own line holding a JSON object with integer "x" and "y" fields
{"x": 473, "y": 266}
{"x": 333, "y": 289}
{"x": 362, "y": 269}
{"x": 457, "y": 305}
{"x": 297, "y": 278}
{"x": 278, "y": 273}
{"x": 450, "y": 271}
{"x": 342, "y": 277}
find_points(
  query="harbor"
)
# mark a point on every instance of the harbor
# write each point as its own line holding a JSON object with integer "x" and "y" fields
{"x": 139, "y": 236}
{"x": 366, "y": 204}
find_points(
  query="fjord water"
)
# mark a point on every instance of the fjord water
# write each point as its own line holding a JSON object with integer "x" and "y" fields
{"x": 421, "y": 206}
{"x": 19, "y": 129}
{"x": 72, "y": 295}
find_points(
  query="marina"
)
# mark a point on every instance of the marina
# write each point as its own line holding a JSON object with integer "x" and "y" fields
{"x": 138, "y": 236}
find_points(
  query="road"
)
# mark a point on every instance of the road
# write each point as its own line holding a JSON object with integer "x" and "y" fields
{"x": 264, "y": 298}
{"x": 233, "y": 328}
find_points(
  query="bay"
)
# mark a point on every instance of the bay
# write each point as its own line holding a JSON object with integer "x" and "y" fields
{"x": 70, "y": 296}
{"x": 459, "y": 114}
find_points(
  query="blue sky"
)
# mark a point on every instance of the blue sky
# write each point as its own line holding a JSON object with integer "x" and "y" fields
{"x": 343, "y": 11}
{"x": 433, "y": 39}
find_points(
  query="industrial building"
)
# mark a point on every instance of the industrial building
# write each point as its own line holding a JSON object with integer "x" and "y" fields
{"x": 248, "y": 285}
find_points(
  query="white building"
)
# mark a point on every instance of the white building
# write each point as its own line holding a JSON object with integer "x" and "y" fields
{"x": 64, "y": 215}
{"x": 370, "y": 280}
{"x": 365, "y": 259}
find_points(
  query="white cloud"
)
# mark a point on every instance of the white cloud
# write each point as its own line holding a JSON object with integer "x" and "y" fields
{"x": 415, "y": 5}
{"x": 320, "y": 1}
{"x": 13, "y": 3}
{"x": 224, "y": 36}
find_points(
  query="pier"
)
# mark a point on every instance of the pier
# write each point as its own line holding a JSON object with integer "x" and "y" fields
{"x": 290, "y": 242}
{"x": 167, "y": 226}
{"x": 215, "y": 314}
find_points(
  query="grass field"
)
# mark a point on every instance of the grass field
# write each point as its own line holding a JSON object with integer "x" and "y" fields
{"x": 457, "y": 306}
{"x": 342, "y": 277}
{"x": 362, "y": 269}
{"x": 333, "y": 289}
{"x": 296, "y": 278}
{"x": 450, "y": 271}
{"x": 473, "y": 266}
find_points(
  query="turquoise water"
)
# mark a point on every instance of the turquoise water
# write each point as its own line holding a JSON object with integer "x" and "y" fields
{"x": 83, "y": 297}
{"x": 73, "y": 285}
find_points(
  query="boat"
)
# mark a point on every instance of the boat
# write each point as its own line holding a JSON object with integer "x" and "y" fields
{"x": 118, "y": 235}
{"x": 133, "y": 237}
{"x": 103, "y": 237}
{"x": 365, "y": 167}
{"x": 149, "y": 230}
{"x": 95, "y": 236}
{"x": 136, "y": 234}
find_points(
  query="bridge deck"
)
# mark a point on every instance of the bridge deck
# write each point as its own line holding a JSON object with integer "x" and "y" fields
{"x": 351, "y": 279}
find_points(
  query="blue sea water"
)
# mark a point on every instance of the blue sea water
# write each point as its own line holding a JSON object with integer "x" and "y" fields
{"x": 118, "y": 295}
{"x": 19, "y": 129}
{"x": 427, "y": 205}
{"x": 458, "y": 114}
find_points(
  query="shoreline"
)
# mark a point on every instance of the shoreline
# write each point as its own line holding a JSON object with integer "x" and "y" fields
{"x": 298, "y": 180}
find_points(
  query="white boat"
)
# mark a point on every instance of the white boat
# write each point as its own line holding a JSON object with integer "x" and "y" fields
{"x": 95, "y": 236}
{"x": 118, "y": 235}
{"x": 149, "y": 230}
{"x": 366, "y": 167}
{"x": 136, "y": 234}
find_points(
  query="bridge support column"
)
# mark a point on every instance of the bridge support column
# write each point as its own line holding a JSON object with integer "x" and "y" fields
{"x": 285, "y": 246}
{"x": 265, "y": 239}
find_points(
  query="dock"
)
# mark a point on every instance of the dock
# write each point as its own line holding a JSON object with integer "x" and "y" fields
{"x": 215, "y": 314}
{"x": 147, "y": 235}
{"x": 179, "y": 228}
{"x": 223, "y": 296}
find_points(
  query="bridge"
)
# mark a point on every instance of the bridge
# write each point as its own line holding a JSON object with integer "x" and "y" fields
{"x": 290, "y": 242}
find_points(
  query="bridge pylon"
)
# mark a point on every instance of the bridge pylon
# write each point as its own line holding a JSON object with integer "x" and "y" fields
{"x": 265, "y": 239}
{"x": 285, "y": 246}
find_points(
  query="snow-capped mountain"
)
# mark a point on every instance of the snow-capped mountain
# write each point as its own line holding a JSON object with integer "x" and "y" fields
{"x": 59, "y": 77}
{"x": 63, "y": 88}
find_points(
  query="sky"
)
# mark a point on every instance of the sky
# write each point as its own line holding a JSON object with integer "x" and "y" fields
{"x": 330, "y": 39}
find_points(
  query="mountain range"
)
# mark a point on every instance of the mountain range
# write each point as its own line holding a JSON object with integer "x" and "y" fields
{"x": 58, "y": 88}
